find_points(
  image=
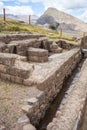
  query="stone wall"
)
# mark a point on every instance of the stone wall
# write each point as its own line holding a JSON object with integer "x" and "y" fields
{"x": 15, "y": 37}
{"x": 84, "y": 42}
{"x": 13, "y": 68}
{"x": 20, "y": 47}
{"x": 47, "y": 77}
{"x": 70, "y": 112}
{"x": 65, "y": 45}
{"x": 49, "y": 82}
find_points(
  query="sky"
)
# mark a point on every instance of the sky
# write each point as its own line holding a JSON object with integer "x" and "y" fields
{"x": 77, "y": 8}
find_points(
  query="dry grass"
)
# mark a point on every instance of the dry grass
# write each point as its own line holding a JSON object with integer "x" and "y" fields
{"x": 17, "y": 26}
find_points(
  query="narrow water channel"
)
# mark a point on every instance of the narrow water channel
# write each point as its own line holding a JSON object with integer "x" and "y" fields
{"x": 56, "y": 104}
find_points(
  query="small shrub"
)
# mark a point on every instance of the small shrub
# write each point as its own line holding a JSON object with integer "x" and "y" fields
{"x": 52, "y": 27}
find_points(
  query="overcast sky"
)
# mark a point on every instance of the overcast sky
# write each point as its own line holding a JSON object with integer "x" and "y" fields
{"x": 76, "y": 8}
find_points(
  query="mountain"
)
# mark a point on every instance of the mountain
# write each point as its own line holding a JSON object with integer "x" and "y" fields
{"x": 24, "y": 18}
{"x": 65, "y": 20}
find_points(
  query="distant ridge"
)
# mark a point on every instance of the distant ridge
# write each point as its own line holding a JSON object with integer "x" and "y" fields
{"x": 67, "y": 21}
{"x": 24, "y": 18}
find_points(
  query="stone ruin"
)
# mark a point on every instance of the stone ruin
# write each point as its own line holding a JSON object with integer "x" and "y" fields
{"x": 18, "y": 51}
{"x": 28, "y": 59}
{"x": 84, "y": 46}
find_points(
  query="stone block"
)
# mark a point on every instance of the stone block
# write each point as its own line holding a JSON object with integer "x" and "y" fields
{"x": 38, "y": 59}
{"x": 5, "y": 76}
{"x": 7, "y": 59}
{"x": 23, "y": 120}
{"x": 22, "y": 58}
{"x": 21, "y": 69}
{"x": 3, "y": 68}
{"x": 18, "y": 80}
{"x": 27, "y": 109}
{"x": 53, "y": 46}
{"x": 2, "y": 127}
{"x": 32, "y": 101}
{"x": 12, "y": 78}
{"x": 56, "y": 50}
{"x": 6, "y": 50}
{"x": 37, "y": 52}
{"x": 28, "y": 82}
{"x": 29, "y": 127}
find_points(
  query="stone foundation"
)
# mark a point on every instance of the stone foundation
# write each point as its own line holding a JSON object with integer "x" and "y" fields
{"x": 49, "y": 82}
{"x": 70, "y": 113}
{"x": 66, "y": 45}
{"x": 48, "y": 77}
{"x": 12, "y": 68}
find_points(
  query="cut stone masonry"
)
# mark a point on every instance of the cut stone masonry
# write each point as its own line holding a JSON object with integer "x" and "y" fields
{"x": 29, "y": 60}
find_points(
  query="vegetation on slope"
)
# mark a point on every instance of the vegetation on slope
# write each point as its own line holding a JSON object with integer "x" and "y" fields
{"x": 12, "y": 26}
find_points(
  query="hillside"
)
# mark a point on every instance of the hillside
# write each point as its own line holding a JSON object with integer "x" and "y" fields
{"x": 15, "y": 26}
{"x": 66, "y": 21}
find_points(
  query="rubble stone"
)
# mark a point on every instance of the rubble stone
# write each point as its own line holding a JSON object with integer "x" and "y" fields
{"x": 29, "y": 127}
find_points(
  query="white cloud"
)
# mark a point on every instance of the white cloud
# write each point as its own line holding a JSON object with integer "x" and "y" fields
{"x": 63, "y": 5}
{"x": 1, "y": 6}
{"x": 60, "y": 3}
{"x": 22, "y": 10}
{"x": 6, "y": 0}
{"x": 76, "y": 7}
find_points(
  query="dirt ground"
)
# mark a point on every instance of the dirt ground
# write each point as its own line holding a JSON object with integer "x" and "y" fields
{"x": 12, "y": 98}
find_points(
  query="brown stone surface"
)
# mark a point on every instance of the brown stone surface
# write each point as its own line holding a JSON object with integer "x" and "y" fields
{"x": 58, "y": 50}
{"x": 37, "y": 55}
{"x": 7, "y": 59}
{"x": 29, "y": 127}
{"x": 38, "y": 59}
{"x": 37, "y": 52}
{"x": 65, "y": 45}
{"x": 45, "y": 71}
{"x": 83, "y": 125}
{"x": 2, "y": 46}
{"x": 11, "y": 37}
{"x": 45, "y": 76}
{"x": 21, "y": 69}
{"x": 2, "y": 128}
{"x": 70, "y": 112}
{"x": 84, "y": 42}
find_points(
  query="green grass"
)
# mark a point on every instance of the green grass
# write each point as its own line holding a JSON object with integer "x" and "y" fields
{"x": 12, "y": 26}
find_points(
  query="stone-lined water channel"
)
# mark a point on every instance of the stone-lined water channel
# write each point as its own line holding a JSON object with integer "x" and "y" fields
{"x": 60, "y": 98}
